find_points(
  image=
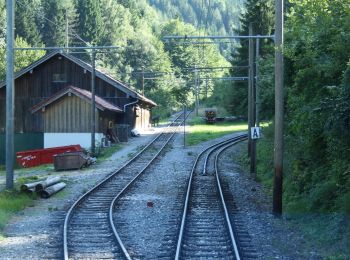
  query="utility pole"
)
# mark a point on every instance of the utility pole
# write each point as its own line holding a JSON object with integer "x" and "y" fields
{"x": 143, "y": 80}
{"x": 206, "y": 86}
{"x": 250, "y": 87}
{"x": 279, "y": 97}
{"x": 255, "y": 106}
{"x": 10, "y": 92}
{"x": 257, "y": 90}
{"x": 67, "y": 32}
{"x": 196, "y": 89}
{"x": 252, "y": 104}
{"x": 93, "y": 105}
{"x": 185, "y": 112}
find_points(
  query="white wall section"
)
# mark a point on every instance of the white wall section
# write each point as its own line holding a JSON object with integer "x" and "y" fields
{"x": 63, "y": 139}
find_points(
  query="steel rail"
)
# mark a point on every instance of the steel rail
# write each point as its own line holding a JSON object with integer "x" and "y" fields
{"x": 189, "y": 185}
{"x": 227, "y": 217}
{"x": 86, "y": 194}
{"x": 112, "y": 205}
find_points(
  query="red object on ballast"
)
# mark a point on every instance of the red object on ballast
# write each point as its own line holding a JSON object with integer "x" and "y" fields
{"x": 37, "y": 157}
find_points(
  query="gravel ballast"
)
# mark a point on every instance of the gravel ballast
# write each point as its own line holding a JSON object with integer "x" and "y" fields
{"x": 147, "y": 220}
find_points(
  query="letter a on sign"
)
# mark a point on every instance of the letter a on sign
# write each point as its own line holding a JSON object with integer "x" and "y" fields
{"x": 255, "y": 132}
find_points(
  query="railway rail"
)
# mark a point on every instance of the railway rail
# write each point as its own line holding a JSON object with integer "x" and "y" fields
{"x": 89, "y": 231}
{"x": 206, "y": 229}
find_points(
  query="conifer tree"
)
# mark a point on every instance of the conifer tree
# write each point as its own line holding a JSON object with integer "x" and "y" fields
{"x": 90, "y": 21}
{"x": 54, "y": 23}
{"x": 261, "y": 14}
{"x": 27, "y": 21}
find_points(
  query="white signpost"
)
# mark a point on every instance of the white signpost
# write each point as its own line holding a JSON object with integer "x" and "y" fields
{"x": 255, "y": 132}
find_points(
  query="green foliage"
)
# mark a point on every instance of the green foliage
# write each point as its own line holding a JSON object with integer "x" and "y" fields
{"x": 318, "y": 106}
{"x": 265, "y": 157}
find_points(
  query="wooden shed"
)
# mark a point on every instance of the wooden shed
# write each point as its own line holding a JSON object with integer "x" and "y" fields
{"x": 55, "y": 72}
{"x": 67, "y": 117}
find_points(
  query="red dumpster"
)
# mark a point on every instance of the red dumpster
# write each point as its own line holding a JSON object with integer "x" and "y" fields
{"x": 43, "y": 156}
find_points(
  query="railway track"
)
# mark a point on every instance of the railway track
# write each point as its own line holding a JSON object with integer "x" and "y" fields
{"x": 206, "y": 230}
{"x": 89, "y": 231}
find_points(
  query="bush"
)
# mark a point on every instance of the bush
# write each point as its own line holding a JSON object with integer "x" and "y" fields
{"x": 323, "y": 195}
{"x": 342, "y": 203}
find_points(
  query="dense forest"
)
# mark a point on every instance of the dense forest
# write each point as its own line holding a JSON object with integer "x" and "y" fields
{"x": 133, "y": 25}
{"x": 216, "y": 17}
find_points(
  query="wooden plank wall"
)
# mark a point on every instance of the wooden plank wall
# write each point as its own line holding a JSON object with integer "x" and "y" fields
{"x": 143, "y": 120}
{"x": 68, "y": 115}
{"x": 37, "y": 85}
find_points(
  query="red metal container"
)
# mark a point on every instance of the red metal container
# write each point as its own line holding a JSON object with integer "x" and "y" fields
{"x": 43, "y": 156}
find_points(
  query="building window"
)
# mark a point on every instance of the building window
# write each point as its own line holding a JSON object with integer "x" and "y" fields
{"x": 59, "y": 78}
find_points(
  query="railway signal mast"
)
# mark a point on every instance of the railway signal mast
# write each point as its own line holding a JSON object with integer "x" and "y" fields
{"x": 279, "y": 97}
{"x": 10, "y": 92}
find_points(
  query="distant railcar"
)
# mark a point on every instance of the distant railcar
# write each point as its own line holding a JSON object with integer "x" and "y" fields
{"x": 210, "y": 115}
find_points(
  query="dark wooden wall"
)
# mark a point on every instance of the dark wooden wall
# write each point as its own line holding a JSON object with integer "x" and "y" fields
{"x": 33, "y": 87}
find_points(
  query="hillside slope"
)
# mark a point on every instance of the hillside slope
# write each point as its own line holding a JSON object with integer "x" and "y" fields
{"x": 216, "y": 17}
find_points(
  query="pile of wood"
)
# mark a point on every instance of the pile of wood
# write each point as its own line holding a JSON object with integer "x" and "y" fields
{"x": 45, "y": 189}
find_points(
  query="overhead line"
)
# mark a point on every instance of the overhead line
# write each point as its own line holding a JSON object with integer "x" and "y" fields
{"x": 176, "y": 37}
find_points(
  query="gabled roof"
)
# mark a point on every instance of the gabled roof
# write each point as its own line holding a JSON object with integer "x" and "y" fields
{"x": 114, "y": 82}
{"x": 81, "y": 93}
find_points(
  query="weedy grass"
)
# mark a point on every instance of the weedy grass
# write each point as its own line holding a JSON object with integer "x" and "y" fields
{"x": 329, "y": 232}
{"x": 107, "y": 152}
{"x": 10, "y": 203}
{"x": 199, "y": 131}
{"x": 44, "y": 167}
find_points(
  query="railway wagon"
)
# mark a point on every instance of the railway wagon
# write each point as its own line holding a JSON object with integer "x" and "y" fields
{"x": 210, "y": 115}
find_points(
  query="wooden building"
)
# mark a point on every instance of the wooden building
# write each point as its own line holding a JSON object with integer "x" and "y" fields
{"x": 58, "y": 73}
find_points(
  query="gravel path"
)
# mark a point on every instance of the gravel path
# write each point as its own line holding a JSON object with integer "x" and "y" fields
{"x": 148, "y": 231}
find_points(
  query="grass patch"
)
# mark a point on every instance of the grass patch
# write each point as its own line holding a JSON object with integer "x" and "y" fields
{"x": 329, "y": 232}
{"x": 10, "y": 203}
{"x": 107, "y": 152}
{"x": 199, "y": 131}
{"x": 325, "y": 229}
{"x": 44, "y": 167}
